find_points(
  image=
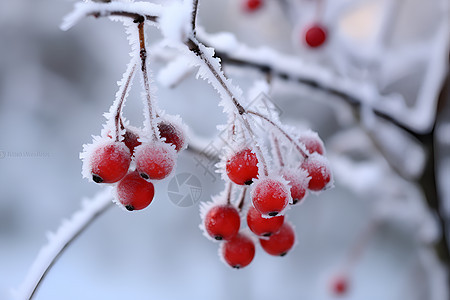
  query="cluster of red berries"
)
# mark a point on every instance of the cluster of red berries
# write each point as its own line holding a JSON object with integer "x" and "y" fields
{"x": 270, "y": 196}
{"x": 132, "y": 160}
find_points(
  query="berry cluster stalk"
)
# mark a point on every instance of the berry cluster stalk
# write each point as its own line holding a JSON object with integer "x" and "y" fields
{"x": 145, "y": 79}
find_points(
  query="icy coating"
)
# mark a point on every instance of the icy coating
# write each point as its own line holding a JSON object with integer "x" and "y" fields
{"x": 155, "y": 159}
{"x": 93, "y": 154}
{"x": 270, "y": 195}
{"x": 318, "y": 168}
{"x": 298, "y": 181}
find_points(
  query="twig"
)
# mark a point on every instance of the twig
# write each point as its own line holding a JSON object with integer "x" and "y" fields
{"x": 227, "y": 58}
{"x": 194, "y": 15}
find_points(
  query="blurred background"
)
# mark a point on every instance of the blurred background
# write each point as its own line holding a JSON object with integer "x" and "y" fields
{"x": 377, "y": 225}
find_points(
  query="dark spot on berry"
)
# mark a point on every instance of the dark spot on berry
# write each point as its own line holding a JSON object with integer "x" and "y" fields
{"x": 283, "y": 254}
{"x": 237, "y": 266}
{"x": 267, "y": 234}
{"x": 129, "y": 207}
{"x": 248, "y": 182}
{"x": 218, "y": 237}
{"x": 273, "y": 213}
{"x": 97, "y": 178}
{"x": 294, "y": 201}
{"x": 145, "y": 176}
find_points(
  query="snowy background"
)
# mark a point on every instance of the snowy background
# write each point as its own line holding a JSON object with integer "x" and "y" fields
{"x": 55, "y": 86}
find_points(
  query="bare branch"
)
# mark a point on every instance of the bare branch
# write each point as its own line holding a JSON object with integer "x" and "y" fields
{"x": 194, "y": 15}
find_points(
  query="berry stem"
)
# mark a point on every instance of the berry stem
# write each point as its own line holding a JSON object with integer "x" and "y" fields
{"x": 360, "y": 244}
{"x": 276, "y": 145}
{"x": 319, "y": 11}
{"x": 242, "y": 200}
{"x": 229, "y": 189}
{"x": 291, "y": 140}
{"x": 117, "y": 118}
{"x": 146, "y": 82}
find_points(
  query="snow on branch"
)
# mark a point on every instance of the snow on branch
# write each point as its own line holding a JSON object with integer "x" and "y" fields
{"x": 59, "y": 240}
{"x": 357, "y": 93}
{"x": 134, "y": 10}
{"x": 229, "y": 50}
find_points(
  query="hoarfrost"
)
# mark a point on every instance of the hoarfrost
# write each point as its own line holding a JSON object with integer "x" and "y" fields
{"x": 83, "y": 9}
{"x": 58, "y": 240}
{"x": 175, "y": 22}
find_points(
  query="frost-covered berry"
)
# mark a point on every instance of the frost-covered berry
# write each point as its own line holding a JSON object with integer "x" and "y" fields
{"x": 278, "y": 244}
{"x": 319, "y": 170}
{"x": 239, "y": 251}
{"x": 339, "y": 285}
{"x": 270, "y": 196}
{"x": 312, "y": 142}
{"x": 130, "y": 138}
{"x": 134, "y": 192}
{"x": 298, "y": 181}
{"x": 315, "y": 36}
{"x": 242, "y": 167}
{"x": 172, "y": 134}
{"x": 222, "y": 222}
{"x": 263, "y": 226}
{"x": 109, "y": 162}
{"x": 252, "y": 5}
{"x": 155, "y": 160}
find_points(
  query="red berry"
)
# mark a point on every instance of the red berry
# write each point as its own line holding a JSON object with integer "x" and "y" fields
{"x": 171, "y": 134}
{"x": 339, "y": 285}
{"x": 134, "y": 192}
{"x": 298, "y": 182}
{"x": 253, "y": 5}
{"x": 318, "y": 169}
{"x": 155, "y": 160}
{"x": 270, "y": 196}
{"x": 239, "y": 251}
{"x": 312, "y": 143}
{"x": 222, "y": 222}
{"x": 315, "y": 36}
{"x": 110, "y": 162}
{"x": 263, "y": 226}
{"x": 279, "y": 243}
{"x": 242, "y": 167}
{"x": 130, "y": 138}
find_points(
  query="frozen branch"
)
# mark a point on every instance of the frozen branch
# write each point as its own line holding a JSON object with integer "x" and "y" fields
{"x": 135, "y": 11}
{"x": 293, "y": 69}
{"x": 267, "y": 60}
{"x": 194, "y": 15}
{"x": 60, "y": 240}
{"x": 356, "y": 93}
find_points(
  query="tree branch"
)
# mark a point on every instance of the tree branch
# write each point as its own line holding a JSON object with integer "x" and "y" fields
{"x": 60, "y": 240}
